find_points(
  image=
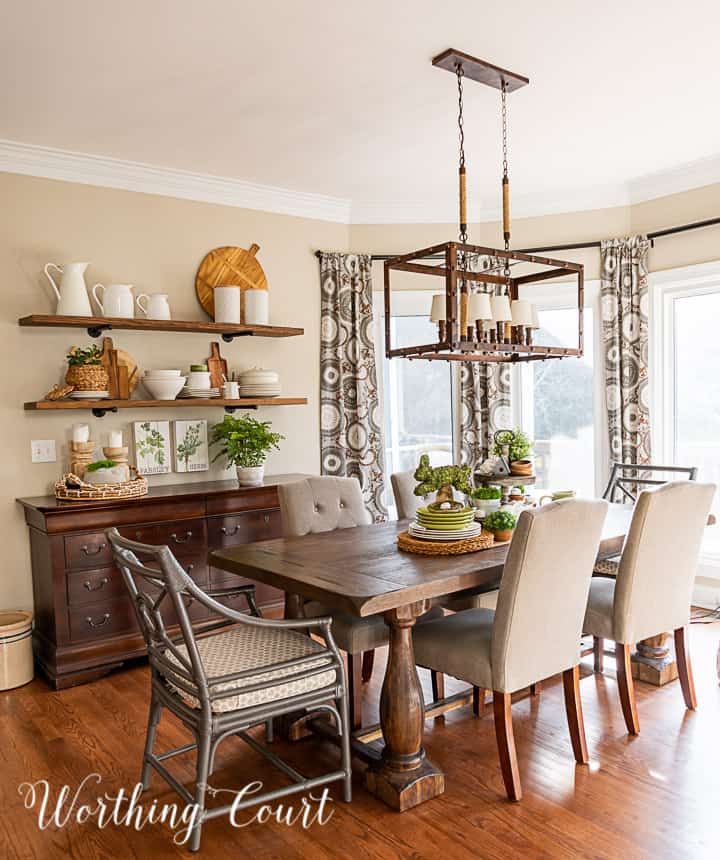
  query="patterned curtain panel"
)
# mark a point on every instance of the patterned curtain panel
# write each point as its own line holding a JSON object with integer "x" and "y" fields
{"x": 486, "y": 407}
{"x": 624, "y": 302}
{"x": 351, "y": 442}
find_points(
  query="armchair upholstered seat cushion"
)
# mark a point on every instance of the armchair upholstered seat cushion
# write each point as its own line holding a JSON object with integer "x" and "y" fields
{"x": 256, "y": 648}
{"x": 607, "y": 566}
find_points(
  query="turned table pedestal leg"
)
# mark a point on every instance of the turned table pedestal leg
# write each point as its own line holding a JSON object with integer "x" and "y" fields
{"x": 403, "y": 777}
{"x": 653, "y": 662}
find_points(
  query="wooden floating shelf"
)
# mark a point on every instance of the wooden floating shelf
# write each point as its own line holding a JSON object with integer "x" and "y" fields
{"x": 100, "y": 407}
{"x": 97, "y": 325}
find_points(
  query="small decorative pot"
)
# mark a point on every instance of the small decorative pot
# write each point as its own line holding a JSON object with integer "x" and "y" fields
{"x": 250, "y": 476}
{"x": 487, "y": 505}
{"x": 87, "y": 377}
{"x": 521, "y": 467}
{"x": 505, "y": 534}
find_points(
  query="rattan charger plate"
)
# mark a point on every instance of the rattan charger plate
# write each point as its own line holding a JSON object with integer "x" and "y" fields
{"x": 408, "y": 543}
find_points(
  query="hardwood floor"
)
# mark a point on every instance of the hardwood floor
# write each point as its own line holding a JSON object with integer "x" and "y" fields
{"x": 654, "y": 795}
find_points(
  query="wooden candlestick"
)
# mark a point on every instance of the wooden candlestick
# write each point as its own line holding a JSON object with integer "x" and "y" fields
{"x": 81, "y": 454}
{"x": 118, "y": 455}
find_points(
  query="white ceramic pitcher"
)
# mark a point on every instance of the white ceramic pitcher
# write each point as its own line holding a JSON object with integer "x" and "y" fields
{"x": 117, "y": 300}
{"x": 155, "y": 306}
{"x": 72, "y": 294}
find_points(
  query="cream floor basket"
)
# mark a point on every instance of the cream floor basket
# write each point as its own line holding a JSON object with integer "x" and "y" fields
{"x": 16, "y": 654}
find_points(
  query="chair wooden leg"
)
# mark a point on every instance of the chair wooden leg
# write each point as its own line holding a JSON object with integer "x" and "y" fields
{"x": 368, "y": 661}
{"x": 438, "y": 685}
{"x": 355, "y": 692}
{"x": 506, "y": 744}
{"x": 478, "y": 701}
{"x": 536, "y": 688}
{"x": 626, "y": 688}
{"x": 682, "y": 655}
{"x": 598, "y": 654}
{"x": 573, "y": 709}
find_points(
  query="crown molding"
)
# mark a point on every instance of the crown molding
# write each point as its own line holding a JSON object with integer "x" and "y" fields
{"x": 42, "y": 161}
{"x": 32, "y": 160}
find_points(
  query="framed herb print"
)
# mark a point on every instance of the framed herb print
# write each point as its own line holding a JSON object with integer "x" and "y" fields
{"x": 191, "y": 446}
{"x": 152, "y": 447}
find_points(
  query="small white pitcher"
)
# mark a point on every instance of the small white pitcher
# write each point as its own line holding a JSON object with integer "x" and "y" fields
{"x": 155, "y": 306}
{"x": 117, "y": 300}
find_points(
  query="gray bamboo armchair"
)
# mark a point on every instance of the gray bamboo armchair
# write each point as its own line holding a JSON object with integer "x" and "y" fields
{"x": 225, "y": 683}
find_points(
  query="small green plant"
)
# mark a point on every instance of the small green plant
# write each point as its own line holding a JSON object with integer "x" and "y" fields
{"x": 100, "y": 464}
{"x": 152, "y": 445}
{"x": 244, "y": 441}
{"x": 79, "y": 356}
{"x": 487, "y": 493}
{"x": 191, "y": 441}
{"x": 519, "y": 442}
{"x": 499, "y": 521}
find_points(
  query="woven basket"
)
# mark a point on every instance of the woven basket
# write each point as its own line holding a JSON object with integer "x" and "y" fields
{"x": 74, "y": 489}
{"x": 408, "y": 543}
{"x": 87, "y": 377}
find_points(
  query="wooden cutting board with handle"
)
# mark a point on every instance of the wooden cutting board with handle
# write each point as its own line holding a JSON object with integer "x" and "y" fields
{"x": 217, "y": 366}
{"x": 229, "y": 266}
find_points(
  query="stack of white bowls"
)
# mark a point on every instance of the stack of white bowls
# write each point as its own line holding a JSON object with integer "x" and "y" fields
{"x": 163, "y": 384}
{"x": 198, "y": 385}
{"x": 259, "y": 383}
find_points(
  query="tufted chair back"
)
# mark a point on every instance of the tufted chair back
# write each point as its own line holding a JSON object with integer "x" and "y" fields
{"x": 321, "y": 505}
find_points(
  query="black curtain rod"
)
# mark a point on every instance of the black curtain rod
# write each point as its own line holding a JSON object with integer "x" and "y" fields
{"x": 655, "y": 234}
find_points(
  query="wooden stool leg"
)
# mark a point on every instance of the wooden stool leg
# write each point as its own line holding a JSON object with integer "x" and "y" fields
{"x": 478, "y": 701}
{"x": 536, "y": 688}
{"x": 626, "y": 688}
{"x": 506, "y": 744}
{"x": 573, "y": 709}
{"x": 438, "y": 685}
{"x": 368, "y": 661}
{"x": 685, "y": 673}
{"x": 598, "y": 654}
{"x": 355, "y": 689}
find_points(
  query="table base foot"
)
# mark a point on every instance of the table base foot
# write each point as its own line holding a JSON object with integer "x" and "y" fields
{"x": 403, "y": 789}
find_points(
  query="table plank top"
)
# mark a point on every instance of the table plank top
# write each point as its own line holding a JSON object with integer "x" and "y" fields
{"x": 361, "y": 570}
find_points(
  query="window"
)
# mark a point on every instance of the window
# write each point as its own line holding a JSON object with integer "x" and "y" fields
{"x": 417, "y": 395}
{"x": 559, "y": 404}
{"x": 687, "y": 391}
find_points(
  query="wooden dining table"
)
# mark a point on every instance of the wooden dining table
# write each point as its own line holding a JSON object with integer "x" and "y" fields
{"x": 361, "y": 571}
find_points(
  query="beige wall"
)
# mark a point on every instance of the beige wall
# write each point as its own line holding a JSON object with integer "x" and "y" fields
{"x": 155, "y": 243}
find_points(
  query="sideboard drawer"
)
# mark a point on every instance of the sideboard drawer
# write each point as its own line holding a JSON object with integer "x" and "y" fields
{"x": 88, "y": 550}
{"x": 100, "y": 620}
{"x": 244, "y": 528}
{"x": 90, "y": 586}
{"x": 184, "y": 537}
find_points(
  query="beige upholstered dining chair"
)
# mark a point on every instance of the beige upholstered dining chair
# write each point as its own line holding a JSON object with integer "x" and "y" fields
{"x": 652, "y": 591}
{"x": 535, "y": 631}
{"x": 324, "y": 504}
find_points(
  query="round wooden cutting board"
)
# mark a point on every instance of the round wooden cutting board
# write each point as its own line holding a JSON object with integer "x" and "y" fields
{"x": 133, "y": 373}
{"x": 229, "y": 266}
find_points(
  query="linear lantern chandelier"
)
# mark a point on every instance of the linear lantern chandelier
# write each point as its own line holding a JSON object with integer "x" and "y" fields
{"x": 481, "y": 316}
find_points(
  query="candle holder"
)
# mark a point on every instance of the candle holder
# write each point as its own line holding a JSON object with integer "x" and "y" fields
{"x": 81, "y": 455}
{"x": 119, "y": 456}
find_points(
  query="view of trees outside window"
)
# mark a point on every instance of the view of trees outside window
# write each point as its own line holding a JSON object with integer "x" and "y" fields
{"x": 417, "y": 401}
{"x": 696, "y": 419}
{"x": 559, "y": 416}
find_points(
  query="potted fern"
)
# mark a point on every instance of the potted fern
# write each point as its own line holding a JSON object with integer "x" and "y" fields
{"x": 245, "y": 444}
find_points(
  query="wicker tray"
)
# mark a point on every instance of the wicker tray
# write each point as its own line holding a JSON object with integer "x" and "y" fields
{"x": 74, "y": 489}
{"x": 408, "y": 543}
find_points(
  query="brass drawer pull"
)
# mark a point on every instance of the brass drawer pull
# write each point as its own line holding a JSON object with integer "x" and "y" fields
{"x": 230, "y": 532}
{"x": 267, "y": 518}
{"x": 99, "y": 547}
{"x": 177, "y": 539}
{"x": 90, "y": 587}
{"x": 92, "y": 623}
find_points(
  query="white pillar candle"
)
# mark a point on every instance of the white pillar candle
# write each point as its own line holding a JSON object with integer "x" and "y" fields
{"x": 115, "y": 439}
{"x": 80, "y": 433}
{"x": 256, "y": 307}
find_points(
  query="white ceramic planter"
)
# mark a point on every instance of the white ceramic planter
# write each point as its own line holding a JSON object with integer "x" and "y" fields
{"x": 487, "y": 505}
{"x": 250, "y": 476}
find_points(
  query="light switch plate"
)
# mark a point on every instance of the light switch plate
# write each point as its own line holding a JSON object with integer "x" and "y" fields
{"x": 43, "y": 450}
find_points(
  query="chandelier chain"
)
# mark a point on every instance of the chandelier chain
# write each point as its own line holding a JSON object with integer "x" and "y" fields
{"x": 461, "y": 134}
{"x": 503, "y": 105}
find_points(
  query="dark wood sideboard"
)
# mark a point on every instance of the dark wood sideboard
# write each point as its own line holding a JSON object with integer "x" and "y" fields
{"x": 84, "y": 620}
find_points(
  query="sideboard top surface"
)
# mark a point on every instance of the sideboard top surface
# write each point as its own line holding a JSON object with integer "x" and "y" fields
{"x": 49, "y": 505}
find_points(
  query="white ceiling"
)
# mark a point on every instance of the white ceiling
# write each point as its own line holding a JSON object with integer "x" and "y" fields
{"x": 339, "y": 98}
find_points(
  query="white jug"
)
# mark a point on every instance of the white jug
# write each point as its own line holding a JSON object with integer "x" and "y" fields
{"x": 117, "y": 300}
{"x": 156, "y": 306}
{"x": 72, "y": 294}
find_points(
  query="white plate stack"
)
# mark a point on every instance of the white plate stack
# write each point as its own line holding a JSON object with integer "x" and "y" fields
{"x": 259, "y": 383}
